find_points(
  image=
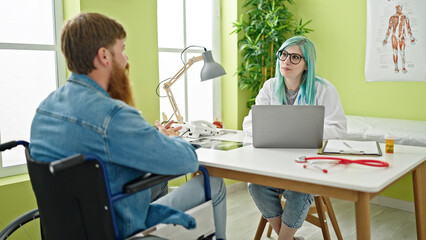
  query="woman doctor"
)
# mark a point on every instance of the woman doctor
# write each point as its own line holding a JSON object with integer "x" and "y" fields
{"x": 295, "y": 83}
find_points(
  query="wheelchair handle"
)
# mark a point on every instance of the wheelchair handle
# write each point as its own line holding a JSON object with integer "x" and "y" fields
{"x": 61, "y": 165}
{"x": 12, "y": 144}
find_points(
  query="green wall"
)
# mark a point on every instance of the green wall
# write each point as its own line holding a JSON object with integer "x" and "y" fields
{"x": 16, "y": 199}
{"x": 234, "y": 100}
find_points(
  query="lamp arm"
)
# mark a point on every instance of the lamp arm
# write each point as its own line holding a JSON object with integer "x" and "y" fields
{"x": 183, "y": 70}
{"x": 167, "y": 86}
{"x": 174, "y": 105}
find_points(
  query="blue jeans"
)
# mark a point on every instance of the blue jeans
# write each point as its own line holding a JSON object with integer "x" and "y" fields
{"x": 269, "y": 203}
{"x": 191, "y": 194}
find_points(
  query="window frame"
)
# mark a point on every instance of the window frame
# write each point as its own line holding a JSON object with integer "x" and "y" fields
{"x": 60, "y": 72}
{"x": 216, "y": 51}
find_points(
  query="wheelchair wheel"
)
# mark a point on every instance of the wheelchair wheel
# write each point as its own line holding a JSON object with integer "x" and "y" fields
{"x": 26, "y": 226}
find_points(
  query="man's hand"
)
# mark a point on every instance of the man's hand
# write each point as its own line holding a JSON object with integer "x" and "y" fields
{"x": 167, "y": 129}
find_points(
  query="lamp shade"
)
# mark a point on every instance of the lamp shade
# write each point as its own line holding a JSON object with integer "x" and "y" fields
{"x": 211, "y": 69}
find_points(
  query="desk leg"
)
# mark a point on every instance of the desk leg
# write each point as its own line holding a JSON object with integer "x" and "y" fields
{"x": 362, "y": 212}
{"x": 419, "y": 179}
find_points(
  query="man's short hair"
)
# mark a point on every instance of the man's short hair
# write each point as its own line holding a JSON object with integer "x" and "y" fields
{"x": 82, "y": 37}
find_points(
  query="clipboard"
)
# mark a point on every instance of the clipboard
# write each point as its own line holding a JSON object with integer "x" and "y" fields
{"x": 350, "y": 147}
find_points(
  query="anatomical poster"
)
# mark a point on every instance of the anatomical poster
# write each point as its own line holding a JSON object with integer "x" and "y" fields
{"x": 396, "y": 40}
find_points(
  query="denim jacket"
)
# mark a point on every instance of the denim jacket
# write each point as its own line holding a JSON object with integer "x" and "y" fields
{"x": 81, "y": 117}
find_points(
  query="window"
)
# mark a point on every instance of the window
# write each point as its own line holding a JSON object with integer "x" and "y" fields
{"x": 31, "y": 67}
{"x": 182, "y": 23}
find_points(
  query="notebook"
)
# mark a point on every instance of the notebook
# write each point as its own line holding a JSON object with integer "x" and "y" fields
{"x": 287, "y": 126}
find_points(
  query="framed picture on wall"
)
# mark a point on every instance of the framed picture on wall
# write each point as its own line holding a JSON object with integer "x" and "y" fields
{"x": 396, "y": 40}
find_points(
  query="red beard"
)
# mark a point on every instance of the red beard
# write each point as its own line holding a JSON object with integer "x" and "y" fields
{"x": 119, "y": 84}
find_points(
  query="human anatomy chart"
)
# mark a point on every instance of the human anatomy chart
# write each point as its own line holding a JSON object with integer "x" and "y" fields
{"x": 396, "y": 40}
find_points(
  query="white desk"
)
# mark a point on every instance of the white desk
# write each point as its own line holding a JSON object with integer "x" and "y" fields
{"x": 276, "y": 167}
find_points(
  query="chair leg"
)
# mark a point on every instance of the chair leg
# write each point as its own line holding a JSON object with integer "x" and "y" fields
{"x": 322, "y": 218}
{"x": 322, "y": 205}
{"x": 260, "y": 228}
{"x": 332, "y": 216}
{"x": 269, "y": 233}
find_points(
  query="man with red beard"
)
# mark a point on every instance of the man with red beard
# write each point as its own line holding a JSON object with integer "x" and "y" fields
{"x": 94, "y": 113}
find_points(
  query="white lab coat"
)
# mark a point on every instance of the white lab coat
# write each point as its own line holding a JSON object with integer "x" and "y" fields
{"x": 326, "y": 95}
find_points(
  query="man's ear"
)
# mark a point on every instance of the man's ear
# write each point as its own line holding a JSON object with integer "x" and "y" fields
{"x": 103, "y": 56}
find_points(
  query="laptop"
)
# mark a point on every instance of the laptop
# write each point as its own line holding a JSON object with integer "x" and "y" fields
{"x": 287, "y": 126}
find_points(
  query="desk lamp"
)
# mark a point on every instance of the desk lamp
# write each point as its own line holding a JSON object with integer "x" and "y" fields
{"x": 210, "y": 70}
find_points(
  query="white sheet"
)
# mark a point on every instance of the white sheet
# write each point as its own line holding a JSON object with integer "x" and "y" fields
{"x": 406, "y": 132}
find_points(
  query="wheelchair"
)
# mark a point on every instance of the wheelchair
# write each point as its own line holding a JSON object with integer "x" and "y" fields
{"x": 74, "y": 202}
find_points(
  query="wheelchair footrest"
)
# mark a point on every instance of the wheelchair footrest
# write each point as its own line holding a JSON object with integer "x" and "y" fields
{"x": 205, "y": 229}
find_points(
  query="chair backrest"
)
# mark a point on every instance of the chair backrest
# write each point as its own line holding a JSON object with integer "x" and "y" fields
{"x": 73, "y": 203}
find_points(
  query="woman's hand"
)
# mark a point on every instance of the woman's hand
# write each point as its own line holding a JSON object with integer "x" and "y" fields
{"x": 167, "y": 129}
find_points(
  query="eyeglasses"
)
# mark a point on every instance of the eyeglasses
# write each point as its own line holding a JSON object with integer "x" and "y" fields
{"x": 295, "y": 58}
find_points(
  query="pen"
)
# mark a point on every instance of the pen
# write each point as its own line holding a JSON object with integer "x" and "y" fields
{"x": 347, "y": 145}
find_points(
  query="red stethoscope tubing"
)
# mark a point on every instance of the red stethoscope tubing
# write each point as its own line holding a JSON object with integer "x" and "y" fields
{"x": 366, "y": 162}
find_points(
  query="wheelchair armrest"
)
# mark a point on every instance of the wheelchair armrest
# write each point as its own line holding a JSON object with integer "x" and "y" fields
{"x": 60, "y": 165}
{"x": 147, "y": 181}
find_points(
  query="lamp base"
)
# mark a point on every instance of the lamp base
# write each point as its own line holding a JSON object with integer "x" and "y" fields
{"x": 196, "y": 129}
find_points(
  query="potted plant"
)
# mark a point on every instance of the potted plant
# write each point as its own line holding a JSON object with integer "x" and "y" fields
{"x": 267, "y": 24}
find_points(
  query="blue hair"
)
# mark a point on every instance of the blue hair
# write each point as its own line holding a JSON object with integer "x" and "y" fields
{"x": 309, "y": 78}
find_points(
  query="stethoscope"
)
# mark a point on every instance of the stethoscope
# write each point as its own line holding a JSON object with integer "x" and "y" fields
{"x": 338, "y": 160}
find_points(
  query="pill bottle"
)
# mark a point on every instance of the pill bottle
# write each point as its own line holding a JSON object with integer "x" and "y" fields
{"x": 389, "y": 143}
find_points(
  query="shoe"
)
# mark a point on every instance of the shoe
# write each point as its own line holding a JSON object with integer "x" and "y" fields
{"x": 299, "y": 238}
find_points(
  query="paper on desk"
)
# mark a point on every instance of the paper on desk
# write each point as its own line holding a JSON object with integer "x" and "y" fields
{"x": 352, "y": 147}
